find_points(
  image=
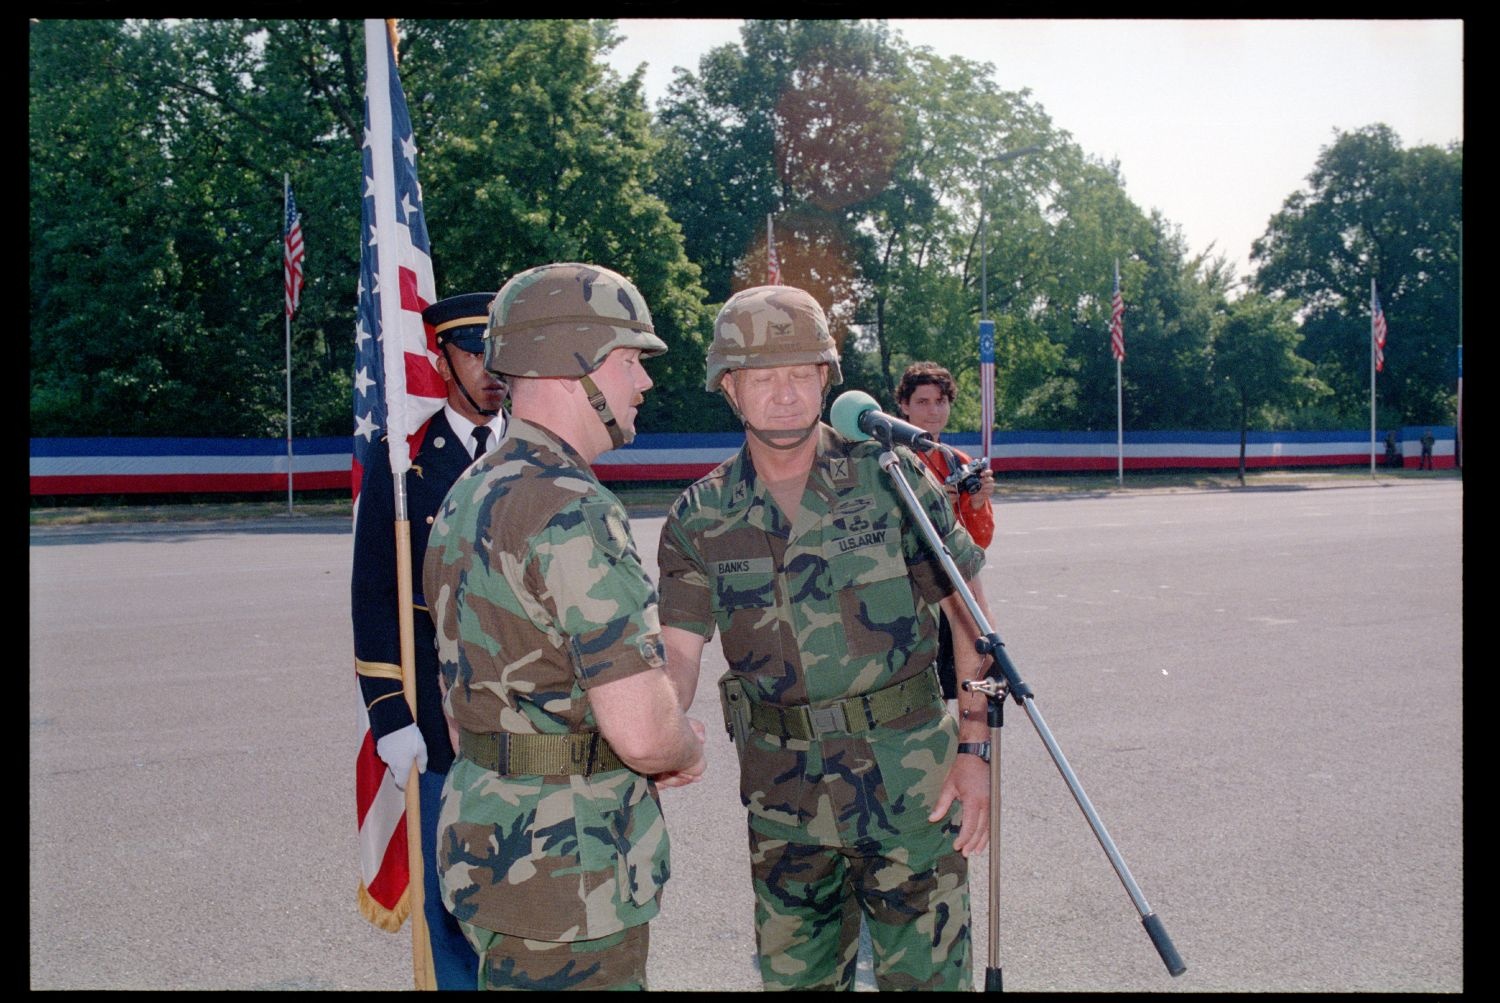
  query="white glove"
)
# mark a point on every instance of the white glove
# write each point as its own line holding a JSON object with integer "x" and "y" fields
{"x": 400, "y": 749}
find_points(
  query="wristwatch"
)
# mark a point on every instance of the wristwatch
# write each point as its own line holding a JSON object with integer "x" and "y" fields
{"x": 980, "y": 749}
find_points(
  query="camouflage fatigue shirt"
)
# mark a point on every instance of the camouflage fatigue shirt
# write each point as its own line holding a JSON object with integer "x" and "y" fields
{"x": 839, "y": 604}
{"x": 538, "y": 594}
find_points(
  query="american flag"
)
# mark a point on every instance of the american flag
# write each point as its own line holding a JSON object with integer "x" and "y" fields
{"x": 773, "y": 264}
{"x": 1377, "y": 327}
{"x": 1117, "y": 320}
{"x": 293, "y": 253}
{"x": 986, "y": 385}
{"x": 396, "y": 390}
{"x": 396, "y": 383}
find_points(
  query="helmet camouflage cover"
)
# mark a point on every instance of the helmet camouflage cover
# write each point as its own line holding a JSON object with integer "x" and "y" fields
{"x": 768, "y": 326}
{"x": 563, "y": 320}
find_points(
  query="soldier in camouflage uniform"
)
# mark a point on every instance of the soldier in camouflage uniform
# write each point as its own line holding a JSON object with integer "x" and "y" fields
{"x": 800, "y": 553}
{"x": 552, "y": 845}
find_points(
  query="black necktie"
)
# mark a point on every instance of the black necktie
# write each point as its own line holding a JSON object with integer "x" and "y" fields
{"x": 481, "y": 439}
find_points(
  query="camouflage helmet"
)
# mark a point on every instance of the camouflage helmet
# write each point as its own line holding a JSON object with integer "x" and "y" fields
{"x": 563, "y": 320}
{"x": 768, "y": 326}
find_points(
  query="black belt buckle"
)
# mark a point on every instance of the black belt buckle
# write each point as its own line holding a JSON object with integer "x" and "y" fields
{"x": 825, "y": 720}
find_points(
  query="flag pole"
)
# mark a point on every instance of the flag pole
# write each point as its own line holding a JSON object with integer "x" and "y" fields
{"x": 378, "y": 35}
{"x": 1119, "y": 427}
{"x": 286, "y": 187}
{"x": 1372, "y": 376}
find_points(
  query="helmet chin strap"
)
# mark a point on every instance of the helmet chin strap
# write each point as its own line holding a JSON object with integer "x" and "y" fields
{"x": 782, "y": 438}
{"x": 600, "y": 405}
{"x": 487, "y": 412}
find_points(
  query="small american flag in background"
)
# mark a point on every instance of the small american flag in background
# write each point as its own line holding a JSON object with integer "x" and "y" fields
{"x": 293, "y": 253}
{"x": 400, "y": 395}
{"x": 1377, "y": 327}
{"x": 1117, "y": 320}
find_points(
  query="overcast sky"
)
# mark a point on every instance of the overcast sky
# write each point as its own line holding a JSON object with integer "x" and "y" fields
{"x": 1214, "y": 123}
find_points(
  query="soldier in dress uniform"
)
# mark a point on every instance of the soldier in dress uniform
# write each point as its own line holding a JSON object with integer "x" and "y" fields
{"x": 470, "y": 421}
{"x": 552, "y": 844}
{"x": 798, "y": 551}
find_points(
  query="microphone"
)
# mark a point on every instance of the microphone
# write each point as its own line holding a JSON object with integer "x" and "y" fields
{"x": 857, "y": 416}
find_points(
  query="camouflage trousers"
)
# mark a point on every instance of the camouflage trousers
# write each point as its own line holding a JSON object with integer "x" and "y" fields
{"x": 912, "y": 891}
{"x": 617, "y": 961}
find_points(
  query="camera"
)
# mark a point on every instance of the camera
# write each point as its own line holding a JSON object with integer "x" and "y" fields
{"x": 967, "y": 477}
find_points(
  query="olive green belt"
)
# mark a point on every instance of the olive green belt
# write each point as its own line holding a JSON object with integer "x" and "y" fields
{"x": 573, "y": 754}
{"x": 849, "y": 716}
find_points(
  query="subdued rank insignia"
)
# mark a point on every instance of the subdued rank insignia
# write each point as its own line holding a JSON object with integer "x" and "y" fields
{"x": 779, "y": 330}
{"x": 838, "y": 468}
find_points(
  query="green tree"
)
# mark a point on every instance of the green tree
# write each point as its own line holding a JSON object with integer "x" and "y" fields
{"x": 1373, "y": 210}
{"x": 1254, "y": 360}
{"x": 892, "y": 237}
{"x": 157, "y": 156}
{"x": 536, "y": 152}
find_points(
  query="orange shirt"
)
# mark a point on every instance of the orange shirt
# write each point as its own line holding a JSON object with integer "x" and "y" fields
{"x": 980, "y": 522}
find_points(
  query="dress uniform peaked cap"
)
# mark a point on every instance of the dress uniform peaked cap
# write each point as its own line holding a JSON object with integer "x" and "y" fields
{"x": 460, "y": 320}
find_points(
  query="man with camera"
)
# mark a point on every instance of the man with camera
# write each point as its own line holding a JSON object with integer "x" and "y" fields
{"x": 925, "y": 398}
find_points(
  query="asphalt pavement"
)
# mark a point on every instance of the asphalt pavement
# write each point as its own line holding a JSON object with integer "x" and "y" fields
{"x": 1261, "y": 691}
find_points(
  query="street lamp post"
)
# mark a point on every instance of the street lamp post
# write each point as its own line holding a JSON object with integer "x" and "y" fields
{"x": 986, "y": 327}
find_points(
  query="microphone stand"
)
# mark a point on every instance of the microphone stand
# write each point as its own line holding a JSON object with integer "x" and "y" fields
{"x": 996, "y": 687}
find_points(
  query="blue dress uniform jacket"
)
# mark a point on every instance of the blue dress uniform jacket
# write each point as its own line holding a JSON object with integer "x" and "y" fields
{"x": 377, "y": 643}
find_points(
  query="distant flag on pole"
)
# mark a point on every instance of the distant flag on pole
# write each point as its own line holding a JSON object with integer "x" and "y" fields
{"x": 396, "y": 390}
{"x": 1377, "y": 327}
{"x": 1117, "y": 320}
{"x": 773, "y": 263}
{"x": 292, "y": 254}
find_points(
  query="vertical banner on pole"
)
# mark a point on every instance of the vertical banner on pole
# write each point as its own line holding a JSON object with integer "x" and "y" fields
{"x": 293, "y": 254}
{"x": 1117, "y": 349}
{"x": 987, "y": 386}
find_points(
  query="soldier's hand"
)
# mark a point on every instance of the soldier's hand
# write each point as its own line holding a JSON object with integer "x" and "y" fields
{"x": 694, "y": 772}
{"x": 968, "y": 782}
{"x": 400, "y": 749}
